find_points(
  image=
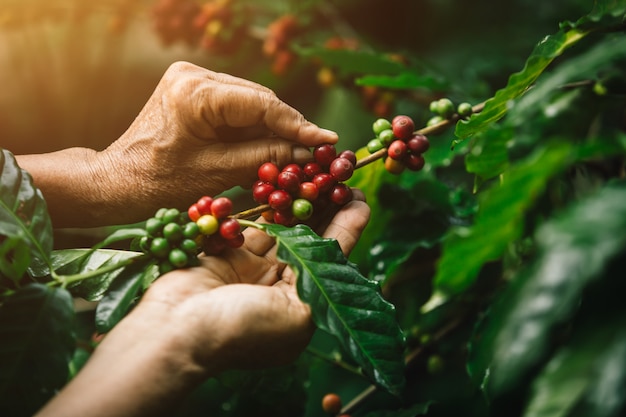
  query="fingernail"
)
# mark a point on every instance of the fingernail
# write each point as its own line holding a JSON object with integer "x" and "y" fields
{"x": 300, "y": 154}
{"x": 330, "y": 133}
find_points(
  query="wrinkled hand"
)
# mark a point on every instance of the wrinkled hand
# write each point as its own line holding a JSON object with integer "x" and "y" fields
{"x": 203, "y": 132}
{"x": 245, "y": 301}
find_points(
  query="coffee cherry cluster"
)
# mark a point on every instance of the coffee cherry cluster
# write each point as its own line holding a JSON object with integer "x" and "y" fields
{"x": 218, "y": 230}
{"x": 280, "y": 33}
{"x": 444, "y": 108}
{"x": 294, "y": 192}
{"x": 223, "y": 25}
{"x": 172, "y": 239}
{"x": 405, "y": 148}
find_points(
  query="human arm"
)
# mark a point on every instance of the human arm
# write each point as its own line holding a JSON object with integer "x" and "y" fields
{"x": 237, "y": 311}
{"x": 200, "y": 133}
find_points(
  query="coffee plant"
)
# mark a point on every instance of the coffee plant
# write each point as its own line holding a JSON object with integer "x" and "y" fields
{"x": 488, "y": 282}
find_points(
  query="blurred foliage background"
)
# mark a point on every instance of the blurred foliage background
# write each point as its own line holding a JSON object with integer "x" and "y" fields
{"x": 76, "y": 73}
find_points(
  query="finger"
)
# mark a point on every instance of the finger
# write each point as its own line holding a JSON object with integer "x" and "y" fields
{"x": 230, "y": 79}
{"x": 239, "y": 106}
{"x": 348, "y": 224}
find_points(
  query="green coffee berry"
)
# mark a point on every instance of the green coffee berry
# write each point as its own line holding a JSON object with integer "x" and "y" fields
{"x": 189, "y": 246}
{"x": 464, "y": 109}
{"x": 386, "y": 136}
{"x": 375, "y": 145}
{"x": 191, "y": 230}
{"x": 445, "y": 107}
{"x": 154, "y": 226}
{"x": 160, "y": 213}
{"x": 173, "y": 232}
{"x": 178, "y": 258}
{"x": 380, "y": 125}
{"x": 434, "y": 120}
{"x": 171, "y": 215}
{"x": 159, "y": 247}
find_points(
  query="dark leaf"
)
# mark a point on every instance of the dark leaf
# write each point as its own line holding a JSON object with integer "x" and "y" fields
{"x": 573, "y": 249}
{"x": 23, "y": 210}
{"x": 36, "y": 345}
{"x": 122, "y": 294}
{"x": 344, "y": 303}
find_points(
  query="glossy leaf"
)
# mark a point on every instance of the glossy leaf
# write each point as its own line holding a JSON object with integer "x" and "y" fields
{"x": 489, "y": 156}
{"x": 344, "y": 303}
{"x": 573, "y": 249}
{"x": 80, "y": 261}
{"x": 122, "y": 294}
{"x": 499, "y": 221}
{"x": 585, "y": 378}
{"x": 422, "y": 211}
{"x": 36, "y": 345}
{"x": 23, "y": 210}
{"x": 495, "y": 108}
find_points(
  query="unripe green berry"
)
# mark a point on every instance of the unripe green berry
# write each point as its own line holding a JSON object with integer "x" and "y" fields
{"x": 160, "y": 213}
{"x": 191, "y": 230}
{"x": 464, "y": 109}
{"x": 374, "y": 145}
{"x": 144, "y": 244}
{"x": 435, "y": 364}
{"x": 171, "y": 215}
{"x": 434, "y": 106}
{"x": 434, "y": 120}
{"x": 386, "y": 136}
{"x": 445, "y": 107}
{"x": 302, "y": 209}
{"x": 178, "y": 258}
{"x": 154, "y": 226}
{"x": 173, "y": 232}
{"x": 380, "y": 125}
{"x": 159, "y": 247}
{"x": 165, "y": 267}
{"x": 189, "y": 245}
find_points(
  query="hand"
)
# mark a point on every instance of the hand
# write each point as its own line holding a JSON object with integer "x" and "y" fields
{"x": 239, "y": 310}
{"x": 203, "y": 132}
{"x": 200, "y": 133}
{"x": 247, "y": 299}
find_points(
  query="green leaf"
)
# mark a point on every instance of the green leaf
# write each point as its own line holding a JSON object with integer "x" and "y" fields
{"x": 585, "y": 378}
{"x": 488, "y": 156}
{"x": 79, "y": 261}
{"x": 344, "y": 303}
{"x": 14, "y": 258}
{"x": 36, "y": 345}
{"x": 499, "y": 221}
{"x": 605, "y": 14}
{"x": 573, "y": 250}
{"x": 23, "y": 210}
{"x": 403, "y": 81}
{"x": 496, "y": 107}
{"x": 122, "y": 294}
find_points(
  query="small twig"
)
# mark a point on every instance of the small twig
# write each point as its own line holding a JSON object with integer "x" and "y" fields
{"x": 335, "y": 361}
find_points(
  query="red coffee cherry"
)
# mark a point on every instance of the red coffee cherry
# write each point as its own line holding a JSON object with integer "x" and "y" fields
{"x": 308, "y": 190}
{"x": 341, "y": 194}
{"x": 324, "y": 182}
{"x": 204, "y": 205}
{"x": 296, "y": 169}
{"x": 193, "y": 212}
{"x": 414, "y": 162}
{"x": 349, "y": 155}
{"x": 261, "y": 191}
{"x": 311, "y": 169}
{"x": 418, "y": 144}
{"x": 284, "y": 217}
{"x": 397, "y": 149}
{"x": 331, "y": 404}
{"x": 289, "y": 182}
{"x": 403, "y": 127}
{"x": 230, "y": 228}
{"x": 268, "y": 172}
{"x": 221, "y": 207}
{"x": 236, "y": 242}
{"x": 341, "y": 169}
{"x": 280, "y": 200}
{"x": 324, "y": 154}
